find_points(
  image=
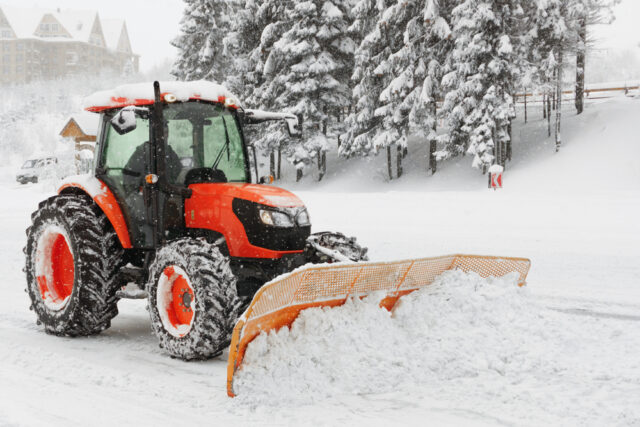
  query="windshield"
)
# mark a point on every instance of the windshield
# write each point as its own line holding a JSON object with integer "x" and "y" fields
{"x": 29, "y": 164}
{"x": 205, "y": 135}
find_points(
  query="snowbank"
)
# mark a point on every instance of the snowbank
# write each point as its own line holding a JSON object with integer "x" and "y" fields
{"x": 464, "y": 338}
{"x": 432, "y": 333}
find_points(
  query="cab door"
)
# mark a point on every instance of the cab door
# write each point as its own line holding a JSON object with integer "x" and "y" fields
{"x": 122, "y": 166}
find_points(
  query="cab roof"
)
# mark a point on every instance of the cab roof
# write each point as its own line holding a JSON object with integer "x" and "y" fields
{"x": 141, "y": 94}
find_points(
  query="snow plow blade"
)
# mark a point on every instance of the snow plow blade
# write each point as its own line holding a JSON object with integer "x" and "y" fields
{"x": 278, "y": 303}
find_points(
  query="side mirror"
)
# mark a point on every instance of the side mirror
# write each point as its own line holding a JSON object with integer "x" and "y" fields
{"x": 125, "y": 121}
{"x": 294, "y": 126}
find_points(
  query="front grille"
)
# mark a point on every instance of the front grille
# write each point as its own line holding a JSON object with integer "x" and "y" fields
{"x": 267, "y": 236}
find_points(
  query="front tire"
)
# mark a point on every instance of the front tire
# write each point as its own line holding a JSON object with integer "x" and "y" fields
{"x": 193, "y": 301}
{"x": 72, "y": 256}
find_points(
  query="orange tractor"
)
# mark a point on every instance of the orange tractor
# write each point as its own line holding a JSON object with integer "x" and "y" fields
{"x": 169, "y": 213}
{"x": 175, "y": 212}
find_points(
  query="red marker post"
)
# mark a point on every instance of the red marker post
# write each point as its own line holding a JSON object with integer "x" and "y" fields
{"x": 495, "y": 174}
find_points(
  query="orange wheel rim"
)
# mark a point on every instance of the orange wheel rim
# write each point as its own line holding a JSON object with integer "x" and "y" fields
{"x": 176, "y": 301}
{"x": 55, "y": 271}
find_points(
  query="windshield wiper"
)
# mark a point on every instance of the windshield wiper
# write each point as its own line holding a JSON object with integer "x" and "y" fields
{"x": 223, "y": 149}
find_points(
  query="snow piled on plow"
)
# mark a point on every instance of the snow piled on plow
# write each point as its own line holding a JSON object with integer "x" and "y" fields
{"x": 482, "y": 342}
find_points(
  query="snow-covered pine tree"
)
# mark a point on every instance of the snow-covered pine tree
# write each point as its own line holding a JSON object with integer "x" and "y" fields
{"x": 480, "y": 79}
{"x": 431, "y": 42}
{"x": 273, "y": 23}
{"x": 402, "y": 70}
{"x": 396, "y": 76}
{"x": 587, "y": 13}
{"x": 240, "y": 44}
{"x": 408, "y": 102}
{"x": 200, "y": 41}
{"x": 361, "y": 121}
{"x": 540, "y": 41}
{"x": 307, "y": 74}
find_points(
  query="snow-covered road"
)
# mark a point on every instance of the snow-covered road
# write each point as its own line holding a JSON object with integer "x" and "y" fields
{"x": 580, "y": 230}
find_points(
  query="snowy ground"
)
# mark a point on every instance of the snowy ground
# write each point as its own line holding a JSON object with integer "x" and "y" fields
{"x": 565, "y": 351}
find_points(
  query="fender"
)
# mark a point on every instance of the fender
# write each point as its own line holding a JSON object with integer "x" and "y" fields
{"x": 104, "y": 198}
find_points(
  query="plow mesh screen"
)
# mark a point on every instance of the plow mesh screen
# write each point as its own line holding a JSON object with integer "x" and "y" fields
{"x": 325, "y": 283}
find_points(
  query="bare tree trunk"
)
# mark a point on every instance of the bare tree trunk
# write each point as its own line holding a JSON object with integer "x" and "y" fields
{"x": 498, "y": 152}
{"x": 279, "y": 161}
{"x": 322, "y": 164}
{"x": 433, "y": 146}
{"x": 549, "y": 114}
{"x": 389, "y": 169}
{"x": 399, "y": 156}
{"x": 580, "y": 64}
{"x": 432, "y": 156}
{"x": 559, "y": 95}
{"x": 298, "y": 174}
{"x": 544, "y": 105}
{"x": 272, "y": 163}
{"x": 525, "y": 106}
{"x": 508, "y": 153}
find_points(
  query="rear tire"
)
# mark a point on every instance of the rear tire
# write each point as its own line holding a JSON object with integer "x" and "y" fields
{"x": 72, "y": 257}
{"x": 193, "y": 301}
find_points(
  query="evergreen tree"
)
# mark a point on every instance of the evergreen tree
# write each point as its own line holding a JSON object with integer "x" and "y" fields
{"x": 272, "y": 138}
{"x": 239, "y": 45}
{"x": 306, "y": 74}
{"x": 403, "y": 71}
{"x": 396, "y": 71}
{"x": 367, "y": 84}
{"x": 586, "y": 13}
{"x": 480, "y": 79}
{"x": 200, "y": 42}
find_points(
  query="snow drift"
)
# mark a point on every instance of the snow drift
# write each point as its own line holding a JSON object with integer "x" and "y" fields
{"x": 433, "y": 333}
{"x": 464, "y": 337}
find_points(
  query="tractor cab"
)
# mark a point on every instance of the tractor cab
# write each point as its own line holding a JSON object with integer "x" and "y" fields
{"x": 155, "y": 147}
{"x": 204, "y": 143}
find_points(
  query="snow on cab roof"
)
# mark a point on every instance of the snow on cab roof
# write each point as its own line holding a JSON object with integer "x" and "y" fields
{"x": 142, "y": 94}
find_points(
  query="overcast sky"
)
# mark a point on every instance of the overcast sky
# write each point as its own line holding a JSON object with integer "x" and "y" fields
{"x": 153, "y": 23}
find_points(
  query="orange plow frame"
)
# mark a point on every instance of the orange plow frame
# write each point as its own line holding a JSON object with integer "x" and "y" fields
{"x": 278, "y": 303}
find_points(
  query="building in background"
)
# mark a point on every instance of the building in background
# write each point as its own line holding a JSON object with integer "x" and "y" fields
{"x": 82, "y": 128}
{"x": 40, "y": 44}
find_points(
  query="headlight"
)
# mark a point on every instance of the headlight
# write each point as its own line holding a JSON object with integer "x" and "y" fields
{"x": 275, "y": 218}
{"x": 303, "y": 218}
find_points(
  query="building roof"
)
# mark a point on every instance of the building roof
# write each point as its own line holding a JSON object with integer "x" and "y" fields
{"x": 23, "y": 23}
{"x": 87, "y": 122}
{"x": 80, "y": 25}
{"x": 115, "y": 34}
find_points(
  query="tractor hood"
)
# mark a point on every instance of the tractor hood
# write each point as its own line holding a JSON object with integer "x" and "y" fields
{"x": 263, "y": 194}
{"x": 233, "y": 210}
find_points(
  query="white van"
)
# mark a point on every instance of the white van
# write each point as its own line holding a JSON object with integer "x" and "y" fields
{"x": 33, "y": 169}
